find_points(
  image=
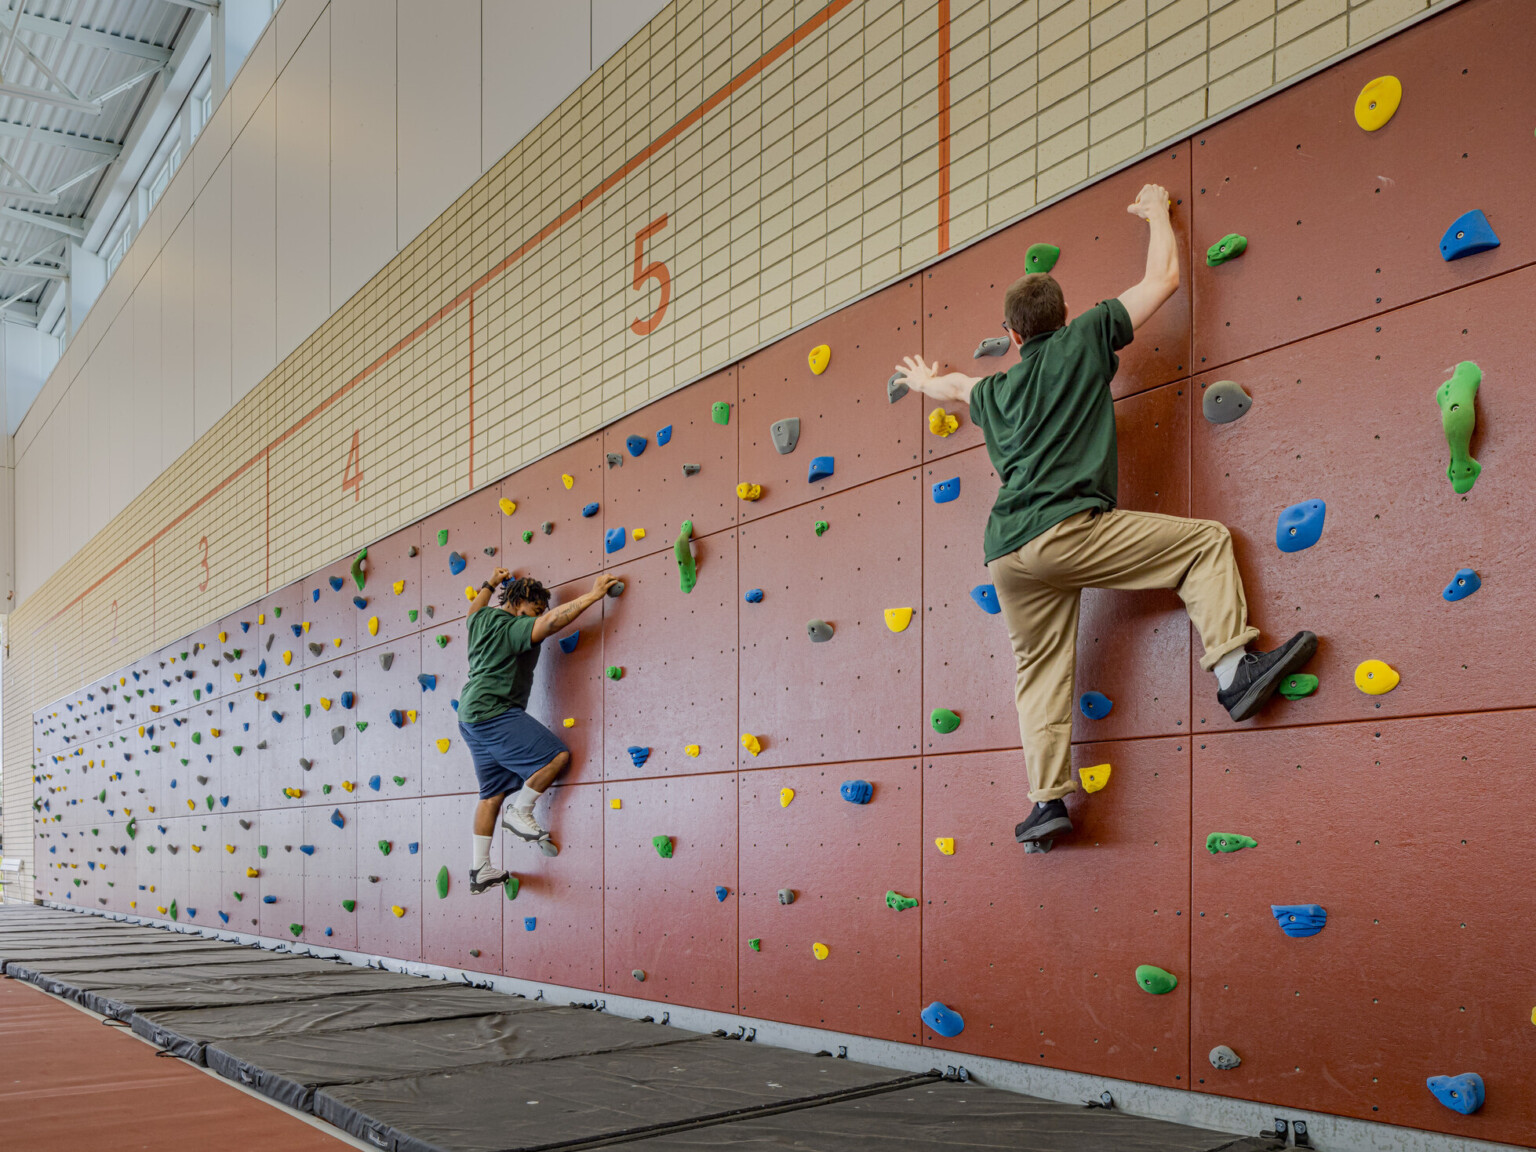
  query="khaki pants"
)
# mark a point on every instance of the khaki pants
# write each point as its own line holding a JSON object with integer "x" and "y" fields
{"x": 1039, "y": 588}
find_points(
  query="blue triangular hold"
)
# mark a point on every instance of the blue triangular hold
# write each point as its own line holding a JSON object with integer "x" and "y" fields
{"x": 1468, "y": 234}
{"x": 639, "y": 755}
{"x": 664, "y": 437}
{"x": 336, "y": 583}
{"x": 636, "y": 445}
{"x": 822, "y": 468}
{"x": 985, "y": 596}
{"x": 614, "y": 539}
{"x": 568, "y": 643}
{"x": 456, "y": 563}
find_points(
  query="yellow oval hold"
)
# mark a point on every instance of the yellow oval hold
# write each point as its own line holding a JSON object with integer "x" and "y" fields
{"x": 507, "y": 506}
{"x": 442, "y": 744}
{"x": 749, "y": 491}
{"x": 373, "y": 625}
{"x": 786, "y": 795}
{"x": 1376, "y": 677}
{"x": 287, "y": 657}
{"x": 751, "y": 743}
{"x": 691, "y": 750}
{"x": 399, "y": 586}
{"x": 570, "y": 721}
{"x": 1094, "y": 778}
{"x": 1377, "y": 102}
{"x": 197, "y": 847}
{"x": 261, "y": 618}
{"x": 945, "y": 844}
{"x": 897, "y": 619}
{"x": 820, "y": 357}
{"x": 191, "y": 805}
{"x": 397, "y": 910}
{"x": 941, "y": 423}
{"x": 568, "y": 480}
{"x": 819, "y": 951}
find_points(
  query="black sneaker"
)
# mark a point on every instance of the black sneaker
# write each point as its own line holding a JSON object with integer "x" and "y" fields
{"x": 487, "y": 876}
{"x": 1260, "y": 673}
{"x": 1043, "y": 822}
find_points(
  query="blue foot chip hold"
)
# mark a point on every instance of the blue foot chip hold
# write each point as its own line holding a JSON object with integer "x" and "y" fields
{"x": 1300, "y": 919}
{"x": 614, "y": 540}
{"x": 821, "y": 469}
{"x": 298, "y": 629}
{"x": 985, "y": 596}
{"x": 638, "y": 755}
{"x": 456, "y": 563}
{"x": 590, "y": 510}
{"x": 636, "y": 445}
{"x": 1095, "y": 705}
{"x": 568, "y": 643}
{"x": 269, "y": 899}
{"x": 857, "y": 791}
{"x": 1462, "y": 585}
{"x": 1462, "y": 1093}
{"x": 721, "y": 892}
{"x": 943, "y": 1019}
{"x": 1300, "y": 526}
{"x": 307, "y": 849}
{"x": 348, "y": 699}
{"x": 664, "y": 437}
{"x": 530, "y": 923}
{"x": 1468, "y": 234}
{"x": 946, "y": 490}
{"x": 754, "y": 596}
{"x": 224, "y": 916}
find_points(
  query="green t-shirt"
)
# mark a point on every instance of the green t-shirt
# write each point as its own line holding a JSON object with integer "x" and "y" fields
{"x": 502, "y": 657}
{"x": 1050, "y": 427}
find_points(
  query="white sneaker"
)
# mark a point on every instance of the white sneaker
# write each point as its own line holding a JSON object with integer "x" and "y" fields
{"x": 525, "y": 826}
{"x": 487, "y": 876}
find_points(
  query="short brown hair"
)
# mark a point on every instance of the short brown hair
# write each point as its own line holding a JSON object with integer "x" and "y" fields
{"x": 1034, "y": 304}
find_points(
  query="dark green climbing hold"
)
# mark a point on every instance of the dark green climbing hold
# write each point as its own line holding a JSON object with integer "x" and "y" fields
{"x": 687, "y": 570}
{"x": 442, "y": 537}
{"x": 1229, "y": 247}
{"x": 1458, "y": 416}
{"x": 821, "y": 526}
{"x": 357, "y": 568}
{"x": 1041, "y": 257}
{"x": 442, "y": 882}
{"x": 943, "y": 720}
{"x": 261, "y": 850}
{"x": 1228, "y": 842}
{"x": 385, "y": 846}
{"x": 663, "y": 846}
{"x": 1298, "y": 685}
{"x": 510, "y": 886}
{"x": 210, "y": 803}
{"x": 325, "y": 789}
{"x": 756, "y": 944}
{"x": 362, "y": 725}
{"x": 238, "y": 895}
{"x": 899, "y": 903}
{"x": 1151, "y": 978}
{"x": 239, "y": 748}
{"x": 720, "y": 412}
{"x": 614, "y": 672}
{"x": 296, "y": 929}
{"x": 349, "y": 905}
{"x": 174, "y": 914}
{"x": 306, "y": 711}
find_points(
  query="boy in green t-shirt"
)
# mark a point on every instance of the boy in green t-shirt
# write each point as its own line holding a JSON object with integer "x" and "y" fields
{"x": 513, "y": 752}
{"x": 1049, "y": 423}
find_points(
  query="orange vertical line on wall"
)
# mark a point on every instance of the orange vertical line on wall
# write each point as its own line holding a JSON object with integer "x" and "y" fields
{"x": 471, "y": 391}
{"x": 943, "y": 125}
{"x": 266, "y": 579}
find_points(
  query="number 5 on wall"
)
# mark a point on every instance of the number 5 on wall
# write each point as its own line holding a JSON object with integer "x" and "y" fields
{"x": 655, "y": 270}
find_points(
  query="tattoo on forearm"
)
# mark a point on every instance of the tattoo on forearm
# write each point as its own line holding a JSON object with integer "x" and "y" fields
{"x": 563, "y": 615}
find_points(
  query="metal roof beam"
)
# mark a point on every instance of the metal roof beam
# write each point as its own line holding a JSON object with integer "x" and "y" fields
{"x": 72, "y": 226}
{"x": 78, "y": 34}
{"x": 211, "y": 7}
{"x": 57, "y": 99}
{"x": 8, "y": 266}
{"x": 62, "y": 139}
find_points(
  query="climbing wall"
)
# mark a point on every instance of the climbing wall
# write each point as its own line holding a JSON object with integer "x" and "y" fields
{"x": 297, "y": 769}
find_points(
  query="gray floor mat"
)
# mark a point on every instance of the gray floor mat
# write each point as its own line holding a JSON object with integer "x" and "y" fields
{"x": 128, "y": 950}
{"x": 129, "y": 961}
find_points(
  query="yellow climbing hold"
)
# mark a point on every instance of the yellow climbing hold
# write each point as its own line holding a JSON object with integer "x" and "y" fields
{"x": 141, "y": 732}
{"x": 570, "y": 721}
{"x": 214, "y": 732}
{"x": 397, "y": 910}
{"x": 568, "y": 480}
{"x": 252, "y": 873}
{"x": 691, "y": 750}
{"x": 191, "y": 805}
{"x": 897, "y": 619}
{"x": 230, "y": 848}
{"x": 945, "y": 844}
{"x": 751, "y": 743}
{"x": 337, "y": 641}
{"x": 197, "y": 847}
{"x": 507, "y": 506}
{"x": 373, "y": 625}
{"x": 1377, "y": 102}
{"x": 261, "y": 695}
{"x": 160, "y": 908}
{"x": 411, "y": 715}
{"x": 260, "y": 619}
{"x": 749, "y": 491}
{"x": 347, "y": 785}
{"x": 1376, "y": 677}
{"x": 820, "y": 357}
{"x": 469, "y": 592}
{"x": 615, "y": 803}
{"x": 819, "y": 951}
{"x": 287, "y": 657}
{"x": 325, "y": 703}
{"x": 223, "y": 636}
{"x": 305, "y": 626}
{"x": 785, "y": 796}
{"x": 639, "y": 533}
{"x": 442, "y": 744}
{"x": 941, "y": 423}
{"x": 398, "y": 586}
{"x": 1094, "y": 778}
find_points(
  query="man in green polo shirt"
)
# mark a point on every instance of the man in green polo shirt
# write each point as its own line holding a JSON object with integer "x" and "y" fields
{"x": 1049, "y": 423}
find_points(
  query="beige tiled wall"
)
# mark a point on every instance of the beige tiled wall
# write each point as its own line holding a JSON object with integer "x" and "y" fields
{"x": 815, "y": 180}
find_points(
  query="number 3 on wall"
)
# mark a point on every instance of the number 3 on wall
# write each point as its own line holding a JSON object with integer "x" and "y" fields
{"x": 655, "y": 270}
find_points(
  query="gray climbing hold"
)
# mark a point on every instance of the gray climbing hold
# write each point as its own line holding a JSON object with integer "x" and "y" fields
{"x": 786, "y": 895}
{"x": 386, "y": 659}
{"x": 1224, "y": 1058}
{"x": 819, "y": 631}
{"x": 638, "y": 974}
{"x": 616, "y": 589}
{"x": 615, "y": 459}
{"x": 549, "y": 526}
{"x": 690, "y": 469}
{"x": 896, "y": 387}
{"x": 992, "y": 346}
{"x": 1225, "y": 401}
{"x": 786, "y": 434}
{"x": 337, "y": 733}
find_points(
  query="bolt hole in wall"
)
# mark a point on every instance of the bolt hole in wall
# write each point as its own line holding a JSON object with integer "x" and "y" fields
{"x": 814, "y": 686}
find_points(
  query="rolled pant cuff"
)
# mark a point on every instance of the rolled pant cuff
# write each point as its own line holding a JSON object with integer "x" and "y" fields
{"x": 1055, "y": 793}
{"x": 1241, "y": 640}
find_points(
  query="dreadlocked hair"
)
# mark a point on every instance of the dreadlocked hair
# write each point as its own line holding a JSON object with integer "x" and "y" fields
{"x": 525, "y": 589}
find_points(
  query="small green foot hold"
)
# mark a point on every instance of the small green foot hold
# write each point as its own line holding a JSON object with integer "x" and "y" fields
{"x": 899, "y": 903}
{"x": 663, "y": 846}
{"x": 687, "y": 570}
{"x": 511, "y": 886}
{"x": 296, "y": 929}
{"x": 720, "y": 412}
{"x": 821, "y": 526}
{"x": 1228, "y": 842}
{"x": 528, "y": 536}
{"x": 1458, "y": 416}
{"x": 399, "y": 780}
{"x": 943, "y": 720}
{"x": 1041, "y": 257}
{"x": 349, "y": 905}
{"x": 1151, "y": 978}
{"x": 1229, "y": 247}
{"x": 1299, "y": 685}
{"x": 442, "y": 882}
{"x": 386, "y": 846}
{"x": 756, "y": 944}
{"x": 357, "y": 569}
{"x": 442, "y": 537}
{"x": 615, "y": 672}
{"x": 261, "y": 850}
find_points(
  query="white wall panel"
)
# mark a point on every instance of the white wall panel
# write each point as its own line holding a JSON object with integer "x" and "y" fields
{"x": 438, "y": 103}
{"x": 255, "y": 80}
{"x": 177, "y": 273}
{"x": 293, "y": 22}
{"x": 112, "y": 398}
{"x": 148, "y": 460}
{"x": 363, "y": 227}
{"x": 533, "y": 55}
{"x": 210, "y": 345}
{"x": 304, "y": 189}
{"x": 253, "y": 250}
{"x": 615, "y": 21}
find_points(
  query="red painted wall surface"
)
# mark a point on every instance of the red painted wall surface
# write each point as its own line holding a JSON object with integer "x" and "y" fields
{"x": 1406, "y": 815}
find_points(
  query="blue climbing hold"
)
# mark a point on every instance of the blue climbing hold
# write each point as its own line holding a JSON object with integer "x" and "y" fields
{"x": 261, "y": 669}
{"x": 173, "y": 784}
{"x": 191, "y": 912}
{"x": 277, "y": 716}
{"x": 269, "y": 899}
{"x": 336, "y": 583}
{"x": 1462, "y": 585}
{"x": 721, "y": 892}
{"x": 348, "y": 699}
{"x": 638, "y": 755}
{"x": 1300, "y": 525}
{"x": 224, "y": 916}
{"x": 375, "y": 782}
{"x": 397, "y": 717}
{"x": 1095, "y": 705}
{"x": 414, "y": 846}
{"x": 1468, "y": 234}
{"x": 298, "y": 629}
{"x": 590, "y": 510}
{"x": 428, "y": 681}
{"x": 664, "y": 437}
{"x": 359, "y": 603}
{"x": 223, "y": 801}
{"x": 1462, "y": 1093}
{"x": 530, "y": 923}
{"x": 754, "y": 596}
{"x": 946, "y": 490}
{"x": 327, "y": 931}
{"x": 455, "y": 704}
{"x": 614, "y": 540}
{"x": 985, "y": 596}
{"x": 336, "y": 818}
{"x": 245, "y": 626}
{"x": 1300, "y": 919}
{"x": 857, "y": 791}
{"x": 636, "y": 445}
{"x": 307, "y": 849}
{"x": 943, "y": 1019}
{"x": 568, "y": 643}
{"x": 821, "y": 469}
{"x": 456, "y": 563}
{"x": 314, "y": 594}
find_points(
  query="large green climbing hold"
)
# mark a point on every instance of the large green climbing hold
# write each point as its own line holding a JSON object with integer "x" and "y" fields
{"x": 1296, "y": 686}
{"x": 1151, "y": 978}
{"x": 357, "y": 569}
{"x": 720, "y": 412}
{"x": 899, "y": 903}
{"x": 756, "y": 944}
{"x": 442, "y": 537}
{"x": 510, "y": 886}
{"x": 349, "y": 905}
{"x": 1229, "y": 247}
{"x": 1041, "y": 257}
{"x": 1228, "y": 842}
{"x": 442, "y": 882}
{"x": 1458, "y": 416}
{"x": 663, "y": 846}
{"x": 944, "y": 720}
{"x": 296, "y": 929}
{"x": 687, "y": 570}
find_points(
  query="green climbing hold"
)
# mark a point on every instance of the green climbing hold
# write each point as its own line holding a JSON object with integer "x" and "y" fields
{"x": 720, "y": 412}
{"x": 174, "y": 915}
{"x": 103, "y": 796}
{"x": 511, "y": 886}
{"x": 386, "y": 846}
{"x": 1458, "y": 416}
{"x": 442, "y": 537}
{"x": 261, "y": 850}
{"x": 899, "y": 903}
{"x": 442, "y": 882}
{"x": 756, "y": 944}
{"x": 943, "y": 720}
{"x": 197, "y": 737}
{"x": 1151, "y": 978}
{"x": 1228, "y": 842}
{"x": 399, "y": 780}
{"x": 349, "y": 905}
{"x": 362, "y": 725}
{"x": 1041, "y": 257}
{"x": 1299, "y": 685}
{"x": 210, "y": 803}
{"x": 357, "y": 569}
{"x": 821, "y": 526}
{"x": 527, "y": 539}
{"x": 238, "y": 895}
{"x": 687, "y": 570}
{"x": 442, "y": 641}
{"x": 296, "y": 929}
{"x": 1229, "y": 247}
{"x": 614, "y": 672}
{"x": 663, "y": 846}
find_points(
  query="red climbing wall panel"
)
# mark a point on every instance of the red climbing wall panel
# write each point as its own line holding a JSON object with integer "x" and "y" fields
{"x": 473, "y": 524}
{"x": 379, "y": 931}
{"x": 383, "y": 749}
{"x": 454, "y": 926}
{"x": 839, "y": 859}
{"x": 574, "y": 546}
{"x": 330, "y": 875}
{"x": 335, "y": 760}
{"x": 282, "y": 872}
{"x": 661, "y": 916}
{"x": 331, "y": 617}
{"x": 1045, "y": 973}
{"x": 569, "y": 686}
{"x": 1428, "y": 958}
{"x": 389, "y": 563}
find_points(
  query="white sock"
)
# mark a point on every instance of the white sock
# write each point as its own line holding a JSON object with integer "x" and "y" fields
{"x": 1226, "y": 667}
{"x": 482, "y": 851}
{"x": 524, "y": 799}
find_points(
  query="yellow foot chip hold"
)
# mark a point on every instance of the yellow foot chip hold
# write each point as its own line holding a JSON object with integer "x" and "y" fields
{"x": 570, "y": 721}
{"x": 897, "y": 619}
{"x": 411, "y": 715}
{"x": 1375, "y": 678}
{"x": 945, "y": 844}
{"x": 751, "y": 743}
{"x": 1094, "y": 778}
{"x": 507, "y": 506}
{"x": 819, "y": 951}
{"x": 347, "y": 785}
{"x": 785, "y": 796}
{"x": 820, "y": 357}
{"x": 325, "y": 703}
{"x": 941, "y": 423}
{"x": 469, "y": 592}
{"x": 615, "y": 803}
{"x": 568, "y": 480}
{"x": 399, "y": 586}
{"x": 1377, "y": 102}
{"x": 442, "y": 744}
{"x": 287, "y": 657}
{"x": 691, "y": 750}
{"x": 223, "y": 636}
{"x": 397, "y": 910}
{"x": 749, "y": 491}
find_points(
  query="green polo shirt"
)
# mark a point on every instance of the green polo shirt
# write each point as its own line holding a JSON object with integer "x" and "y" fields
{"x": 502, "y": 657}
{"x": 1050, "y": 427}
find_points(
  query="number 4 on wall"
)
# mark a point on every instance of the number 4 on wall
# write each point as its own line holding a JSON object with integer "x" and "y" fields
{"x": 352, "y": 474}
{"x": 655, "y": 270}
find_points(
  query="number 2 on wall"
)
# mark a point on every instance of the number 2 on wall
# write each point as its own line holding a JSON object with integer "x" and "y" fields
{"x": 655, "y": 270}
{"x": 352, "y": 474}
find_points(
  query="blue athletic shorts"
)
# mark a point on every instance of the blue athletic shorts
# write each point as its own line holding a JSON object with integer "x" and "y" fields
{"x": 508, "y": 749}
